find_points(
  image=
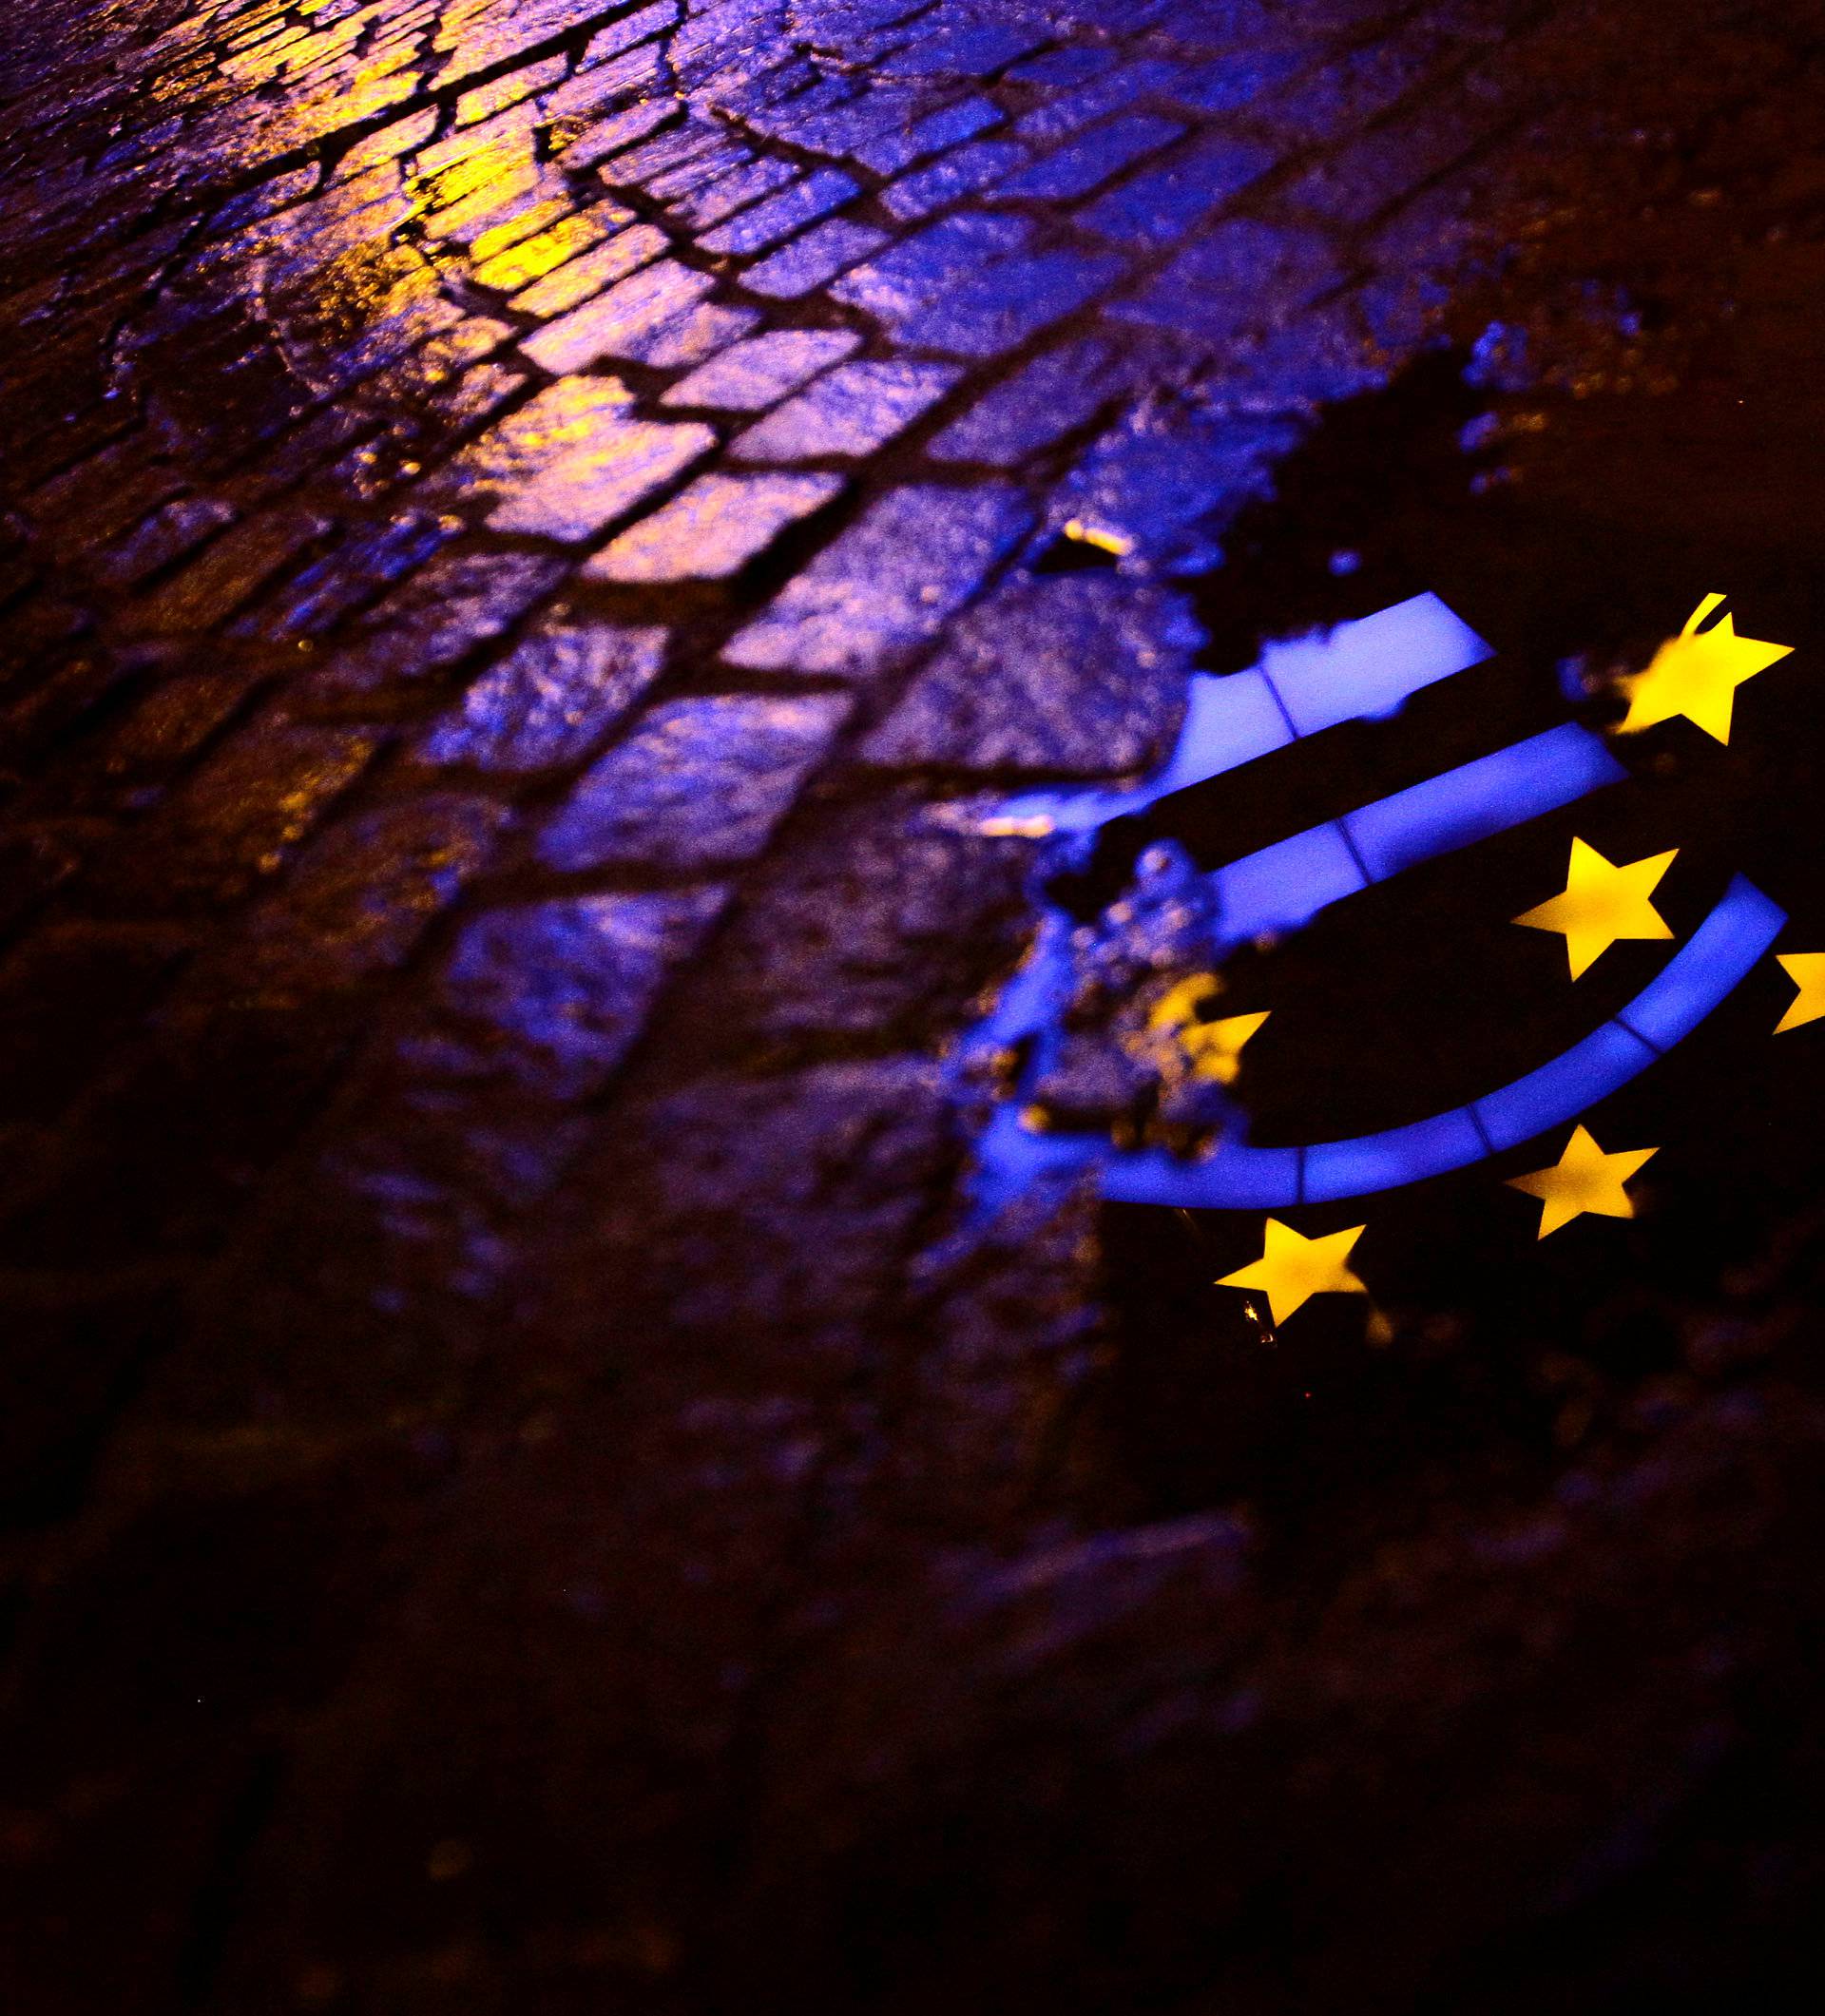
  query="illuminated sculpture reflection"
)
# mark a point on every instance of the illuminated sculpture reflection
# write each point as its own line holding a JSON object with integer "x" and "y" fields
{"x": 1367, "y": 669}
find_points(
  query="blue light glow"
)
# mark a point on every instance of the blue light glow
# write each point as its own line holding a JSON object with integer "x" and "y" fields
{"x": 1235, "y": 1178}
{"x": 1741, "y": 928}
{"x": 1286, "y": 885}
{"x": 1363, "y": 671}
{"x": 1359, "y": 669}
{"x": 1731, "y": 939}
{"x": 1481, "y": 798}
{"x": 1564, "y": 1085}
{"x": 1383, "y": 1161}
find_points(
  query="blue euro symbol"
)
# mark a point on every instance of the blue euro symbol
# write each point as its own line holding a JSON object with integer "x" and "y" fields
{"x": 1360, "y": 670}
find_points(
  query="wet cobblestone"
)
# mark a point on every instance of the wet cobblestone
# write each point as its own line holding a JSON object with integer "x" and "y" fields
{"x": 535, "y": 531}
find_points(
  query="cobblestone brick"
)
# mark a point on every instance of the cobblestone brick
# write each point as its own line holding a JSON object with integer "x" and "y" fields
{"x": 880, "y": 928}
{"x": 971, "y": 48}
{"x": 850, "y": 411}
{"x": 1008, "y": 301}
{"x": 615, "y": 323}
{"x": 905, "y": 278}
{"x": 1244, "y": 275}
{"x": 1089, "y": 100}
{"x": 215, "y": 584}
{"x": 738, "y": 187}
{"x": 597, "y": 964}
{"x": 516, "y": 268}
{"x": 1058, "y": 391}
{"x": 237, "y": 818}
{"x": 1163, "y": 203}
{"x": 162, "y": 536}
{"x": 1235, "y": 83}
{"x": 320, "y": 595}
{"x": 698, "y": 782}
{"x": 960, "y": 173}
{"x": 554, "y": 697}
{"x": 767, "y": 223}
{"x": 1168, "y": 481}
{"x": 1350, "y": 91}
{"x": 712, "y": 528}
{"x": 1080, "y": 676}
{"x": 887, "y": 584}
{"x": 886, "y": 153}
{"x": 577, "y": 276}
{"x": 176, "y": 719}
{"x": 1084, "y": 164}
{"x": 857, "y": 1134}
{"x": 456, "y": 602}
{"x": 689, "y": 339}
{"x": 752, "y": 375}
{"x": 357, "y": 903}
{"x": 807, "y": 261}
{"x": 584, "y": 490}
{"x": 1373, "y": 174}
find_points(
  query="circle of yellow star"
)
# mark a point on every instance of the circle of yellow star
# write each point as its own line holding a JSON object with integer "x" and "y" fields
{"x": 1807, "y": 972}
{"x": 1293, "y": 1269}
{"x": 1584, "y": 1178}
{"x": 1696, "y": 674}
{"x": 1601, "y": 903}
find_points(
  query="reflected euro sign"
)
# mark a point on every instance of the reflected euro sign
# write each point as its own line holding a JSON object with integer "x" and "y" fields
{"x": 1360, "y": 670}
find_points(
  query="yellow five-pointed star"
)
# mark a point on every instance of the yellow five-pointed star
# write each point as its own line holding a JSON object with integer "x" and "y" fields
{"x": 1807, "y": 972}
{"x": 1213, "y": 1050}
{"x": 1291, "y": 1269}
{"x": 1698, "y": 675}
{"x": 1603, "y": 902}
{"x": 1585, "y": 1179}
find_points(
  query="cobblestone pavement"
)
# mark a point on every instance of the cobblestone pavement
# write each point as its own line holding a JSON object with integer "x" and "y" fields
{"x": 531, "y": 525}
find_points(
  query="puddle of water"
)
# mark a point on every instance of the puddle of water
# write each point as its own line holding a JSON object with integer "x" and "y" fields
{"x": 1363, "y": 671}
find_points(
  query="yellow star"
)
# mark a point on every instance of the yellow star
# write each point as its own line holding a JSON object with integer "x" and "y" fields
{"x": 1807, "y": 972}
{"x": 1603, "y": 902}
{"x": 1216, "y": 1047}
{"x": 1584, "y": 1178}
{"x": 1213, "y": 1050}
{"x": 1291, "y": 1269}
{"x": 1698, "y": 675}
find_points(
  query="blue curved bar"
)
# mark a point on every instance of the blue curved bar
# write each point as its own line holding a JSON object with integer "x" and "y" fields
{"x": 1360, "y": 670}
{"x": 1285, "y": 886}
{"x": 1577, "y": 1078}
{"x": 1717, "y": 956}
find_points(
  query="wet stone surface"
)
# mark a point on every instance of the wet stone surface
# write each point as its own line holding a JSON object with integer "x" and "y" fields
{"x": 537, "y": 540}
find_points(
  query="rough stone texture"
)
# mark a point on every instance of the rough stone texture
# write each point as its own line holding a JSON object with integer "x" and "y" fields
{"x": 713, "y": 528}
{"x": 596, "y": 963}
{"x": 522, "y": 1490}
{"x": 552, "y": 698}
{"x": 699, "y": 780}
{"x": 885, "y": 585}
{"x": 1076, "y": 677}
{"x": 850, "y": 411}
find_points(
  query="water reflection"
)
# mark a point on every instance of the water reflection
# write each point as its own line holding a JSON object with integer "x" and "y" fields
{"x": 1360, "y": 669}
